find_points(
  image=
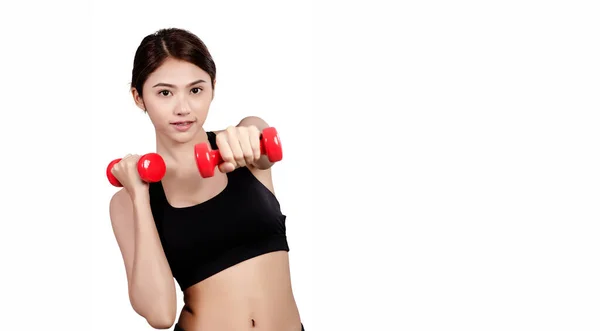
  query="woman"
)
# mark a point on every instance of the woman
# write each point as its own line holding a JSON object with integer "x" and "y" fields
{"x": 223, "y": 237}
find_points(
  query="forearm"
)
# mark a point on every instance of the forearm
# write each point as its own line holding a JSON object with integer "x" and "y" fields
{"x": 152, "y": 289}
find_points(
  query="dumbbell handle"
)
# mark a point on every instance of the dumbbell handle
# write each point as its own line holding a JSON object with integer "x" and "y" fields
{"x": 215, "y": 155}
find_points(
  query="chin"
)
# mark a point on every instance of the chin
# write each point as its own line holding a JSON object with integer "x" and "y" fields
{"x": 184, "y": 137}
{"x": 181, "y": 138}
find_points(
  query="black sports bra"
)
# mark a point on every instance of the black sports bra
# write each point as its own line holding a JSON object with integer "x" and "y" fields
{"x": 239, "y": 223}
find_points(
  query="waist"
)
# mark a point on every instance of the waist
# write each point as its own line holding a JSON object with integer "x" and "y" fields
{"x": 255, "y": 294}
{"x": 278, "y": 315}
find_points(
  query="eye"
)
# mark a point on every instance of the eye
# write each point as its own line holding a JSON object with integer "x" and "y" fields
{"x": 164, "y": 93}
{"x": 196, "y": 90}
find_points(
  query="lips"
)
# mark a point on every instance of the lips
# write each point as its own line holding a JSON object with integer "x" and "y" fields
{"x": 183, "y": 123}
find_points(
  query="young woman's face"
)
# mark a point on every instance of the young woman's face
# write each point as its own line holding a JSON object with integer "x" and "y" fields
{"x": 177, "y": 97}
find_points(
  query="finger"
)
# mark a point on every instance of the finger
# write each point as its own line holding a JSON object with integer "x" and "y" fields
{"x": 135, "y": 158}
{"x": 254, "y": 135}
{"x": 236, "y": 148}
{"x": 130, "y": 160}
{"x": 119, "y": 164}
{"x": 226, "y": 154}
{"x": 124, "y": 158}
{"x": 246, "y": 146}
{"x": 226, "y": 167}
{"x": 114, "y": 169}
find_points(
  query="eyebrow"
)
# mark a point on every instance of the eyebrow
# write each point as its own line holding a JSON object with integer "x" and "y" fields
{"x": 190, "y": 84}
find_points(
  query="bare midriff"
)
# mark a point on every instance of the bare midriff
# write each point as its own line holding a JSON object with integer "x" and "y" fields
{"x": 254, "y": 295}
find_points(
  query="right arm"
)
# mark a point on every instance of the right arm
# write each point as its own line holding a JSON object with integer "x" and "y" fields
{"x": 150, "y": 281}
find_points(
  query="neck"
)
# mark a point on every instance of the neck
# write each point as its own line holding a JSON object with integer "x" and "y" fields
{"x": 179, "y": 156}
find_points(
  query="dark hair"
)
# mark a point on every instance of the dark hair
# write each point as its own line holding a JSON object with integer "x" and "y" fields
{"x": 174, "y": 43}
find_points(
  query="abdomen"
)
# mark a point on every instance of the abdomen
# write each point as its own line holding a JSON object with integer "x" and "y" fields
{"x": 253, "y": 295}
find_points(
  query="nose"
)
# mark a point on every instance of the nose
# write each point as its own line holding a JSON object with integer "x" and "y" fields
{"x": 183, "y": 112}
{"x": 183, "y": 108}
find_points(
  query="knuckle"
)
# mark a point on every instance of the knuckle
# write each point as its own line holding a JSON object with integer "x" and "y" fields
{"x": 239, "y": 157}
{"x": 224, "y": 150}
{"x": 227, "y": 157}
{"x": 221, "y": 141}
{"x": 231, "y": 129}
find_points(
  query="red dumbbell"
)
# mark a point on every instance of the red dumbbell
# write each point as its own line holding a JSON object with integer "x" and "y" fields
{"x": 207, "y": 159}
{"x": 151, "y": 167}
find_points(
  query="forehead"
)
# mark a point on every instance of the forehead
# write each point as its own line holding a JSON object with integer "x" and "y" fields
{"x": 175, "y": 71}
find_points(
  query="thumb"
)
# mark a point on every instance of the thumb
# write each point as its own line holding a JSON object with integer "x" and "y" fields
{"x": 226, "y": 167}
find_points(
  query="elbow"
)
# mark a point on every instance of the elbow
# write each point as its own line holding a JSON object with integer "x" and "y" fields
{"x": 161, "y": 321}
{"x": 162, "y": 317}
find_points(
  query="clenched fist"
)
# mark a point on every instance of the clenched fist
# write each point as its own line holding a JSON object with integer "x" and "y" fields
{"x": 239, "y": 146}
{"x": 126, "y": 172}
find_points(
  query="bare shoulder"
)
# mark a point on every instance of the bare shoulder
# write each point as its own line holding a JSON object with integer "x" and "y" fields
{"x": 256, "y": 121}
{"x": 249, "y": 121}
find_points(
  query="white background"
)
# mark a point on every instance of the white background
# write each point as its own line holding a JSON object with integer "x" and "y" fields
{"x": 263, "y": 69}
{"x": 441, "y": 158}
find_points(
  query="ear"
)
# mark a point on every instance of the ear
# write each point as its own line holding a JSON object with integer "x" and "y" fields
{"x": 138, "y": 99}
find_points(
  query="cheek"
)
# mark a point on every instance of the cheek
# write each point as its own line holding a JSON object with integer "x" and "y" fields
{"x": 158, "y": 112}
{"x": 201, "y": 103}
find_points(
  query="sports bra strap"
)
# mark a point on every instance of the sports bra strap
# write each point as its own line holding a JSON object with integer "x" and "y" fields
{"x": 212, "y": 138}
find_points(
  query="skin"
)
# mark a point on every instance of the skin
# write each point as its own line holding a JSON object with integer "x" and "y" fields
{"x": 253, "y": 295}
